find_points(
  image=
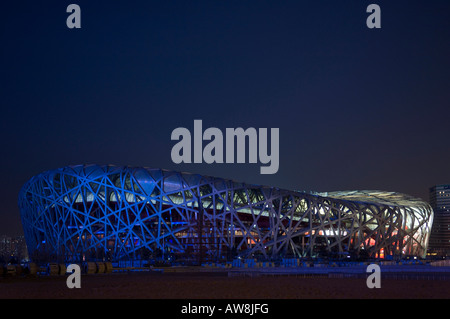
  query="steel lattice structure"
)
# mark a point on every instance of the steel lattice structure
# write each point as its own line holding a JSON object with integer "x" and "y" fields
{"x": 92, "y": 212}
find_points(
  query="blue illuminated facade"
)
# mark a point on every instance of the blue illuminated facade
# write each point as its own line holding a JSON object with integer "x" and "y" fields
{"x": 110, "y": 213}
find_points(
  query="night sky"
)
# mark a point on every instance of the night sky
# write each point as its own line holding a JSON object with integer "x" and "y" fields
{"x": 357, "y": 108}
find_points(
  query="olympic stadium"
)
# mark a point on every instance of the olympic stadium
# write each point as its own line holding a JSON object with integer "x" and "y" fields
{"x": 99, "y": 213}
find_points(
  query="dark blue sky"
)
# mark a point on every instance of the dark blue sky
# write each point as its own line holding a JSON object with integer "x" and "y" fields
{"x": 357, "y": 108}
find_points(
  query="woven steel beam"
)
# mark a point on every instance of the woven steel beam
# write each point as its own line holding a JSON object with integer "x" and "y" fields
{"x": 91, "y": 212}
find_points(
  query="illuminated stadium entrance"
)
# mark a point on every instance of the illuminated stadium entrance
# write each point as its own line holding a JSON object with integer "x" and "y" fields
{"x": 90, "y": 213}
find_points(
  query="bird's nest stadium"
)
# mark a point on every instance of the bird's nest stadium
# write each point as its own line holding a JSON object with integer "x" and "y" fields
{"x": 98, "y": 213}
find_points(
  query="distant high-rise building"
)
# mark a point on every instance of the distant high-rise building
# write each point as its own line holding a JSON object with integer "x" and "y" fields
{"x": 440, "y": 197}
{"x": 440, "y": 232}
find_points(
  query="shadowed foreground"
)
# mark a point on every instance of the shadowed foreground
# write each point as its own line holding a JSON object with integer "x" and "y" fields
{"x": 217, "y": 286}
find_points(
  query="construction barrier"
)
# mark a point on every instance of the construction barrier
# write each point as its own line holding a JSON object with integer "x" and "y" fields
{"x": 441, "y": 263}
{"x": 90, "y": 268}
{"x": 100, "y": 267}
{"x": 108, "y": 267}
{"x": 33, "y": 269}
{"x": 62, "y": 269}
{"x": 10, "y": 270}
{"x": 53, "y": 269}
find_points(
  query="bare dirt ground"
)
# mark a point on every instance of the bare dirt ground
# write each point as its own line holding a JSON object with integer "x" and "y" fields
{"x": 150, "y": 285}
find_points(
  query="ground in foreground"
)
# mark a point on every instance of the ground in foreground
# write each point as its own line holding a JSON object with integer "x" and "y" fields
{"x": 202, "y": 285}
